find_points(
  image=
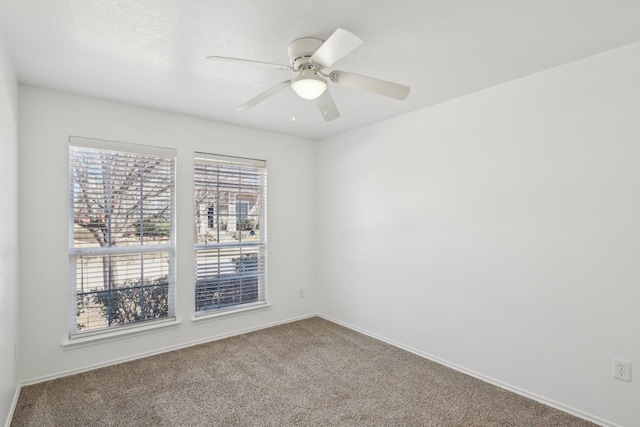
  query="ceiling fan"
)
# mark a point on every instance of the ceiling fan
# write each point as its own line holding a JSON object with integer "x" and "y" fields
{"x": 308, "y": 58}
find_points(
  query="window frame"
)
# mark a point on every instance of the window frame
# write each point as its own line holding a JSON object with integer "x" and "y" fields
{"x": 167, "y": 249}
{"x": 260, "y": 168}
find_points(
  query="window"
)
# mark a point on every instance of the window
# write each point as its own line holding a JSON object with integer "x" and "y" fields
{"x": 230, "y": 225}
{"x": 121, "y": 237}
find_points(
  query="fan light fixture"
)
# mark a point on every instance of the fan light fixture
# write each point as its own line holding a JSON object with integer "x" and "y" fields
{"x": 308, "y": 84}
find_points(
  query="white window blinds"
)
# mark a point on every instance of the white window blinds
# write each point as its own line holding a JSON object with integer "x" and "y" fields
{"x": 230, "y": 224}
{"x": 121, "y": 234}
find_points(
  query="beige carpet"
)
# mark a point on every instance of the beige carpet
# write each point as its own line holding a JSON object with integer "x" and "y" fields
{"x": 307, "y": 373}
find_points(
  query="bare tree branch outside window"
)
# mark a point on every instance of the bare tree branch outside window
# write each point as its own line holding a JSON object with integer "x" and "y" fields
{"x": 122, "y": 205}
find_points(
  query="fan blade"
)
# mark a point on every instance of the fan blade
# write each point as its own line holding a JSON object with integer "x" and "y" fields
{"x": 380, "y": 87}
{"x": 327, "y": 106}
{"x": 337, "y": 46}
{"x": 264, "y": 95}
{"x": 248, "y": 61}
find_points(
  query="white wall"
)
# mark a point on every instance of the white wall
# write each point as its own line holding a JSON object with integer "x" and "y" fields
{"x": 499, "y": 233}
{"x": 47, "y": 119}
{"x": 8, "y": 232}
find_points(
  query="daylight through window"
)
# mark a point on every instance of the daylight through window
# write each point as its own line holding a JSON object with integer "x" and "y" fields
{"x": 121, "y": 248}
{"x": 230, "y": 226}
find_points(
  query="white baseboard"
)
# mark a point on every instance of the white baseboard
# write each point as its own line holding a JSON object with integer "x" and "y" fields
{"x": 521, "y": 392}
{"x": 14, "y": 404}
{"x": 159, "y": 351}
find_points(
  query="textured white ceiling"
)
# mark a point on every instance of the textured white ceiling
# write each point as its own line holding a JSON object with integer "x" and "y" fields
{"x": 152, "y": 52}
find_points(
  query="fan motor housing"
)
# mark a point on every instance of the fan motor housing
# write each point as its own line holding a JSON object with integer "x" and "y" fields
{"x": 300, "y": 51}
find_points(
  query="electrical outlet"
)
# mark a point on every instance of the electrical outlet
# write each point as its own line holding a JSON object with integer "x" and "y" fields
{"x": 622, "y": 370}
{"x": 300, "y": 293}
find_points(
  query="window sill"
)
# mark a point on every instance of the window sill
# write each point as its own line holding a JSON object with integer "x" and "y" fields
{"x": 83, "y": 340}
{"x": 231, "y": 312}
